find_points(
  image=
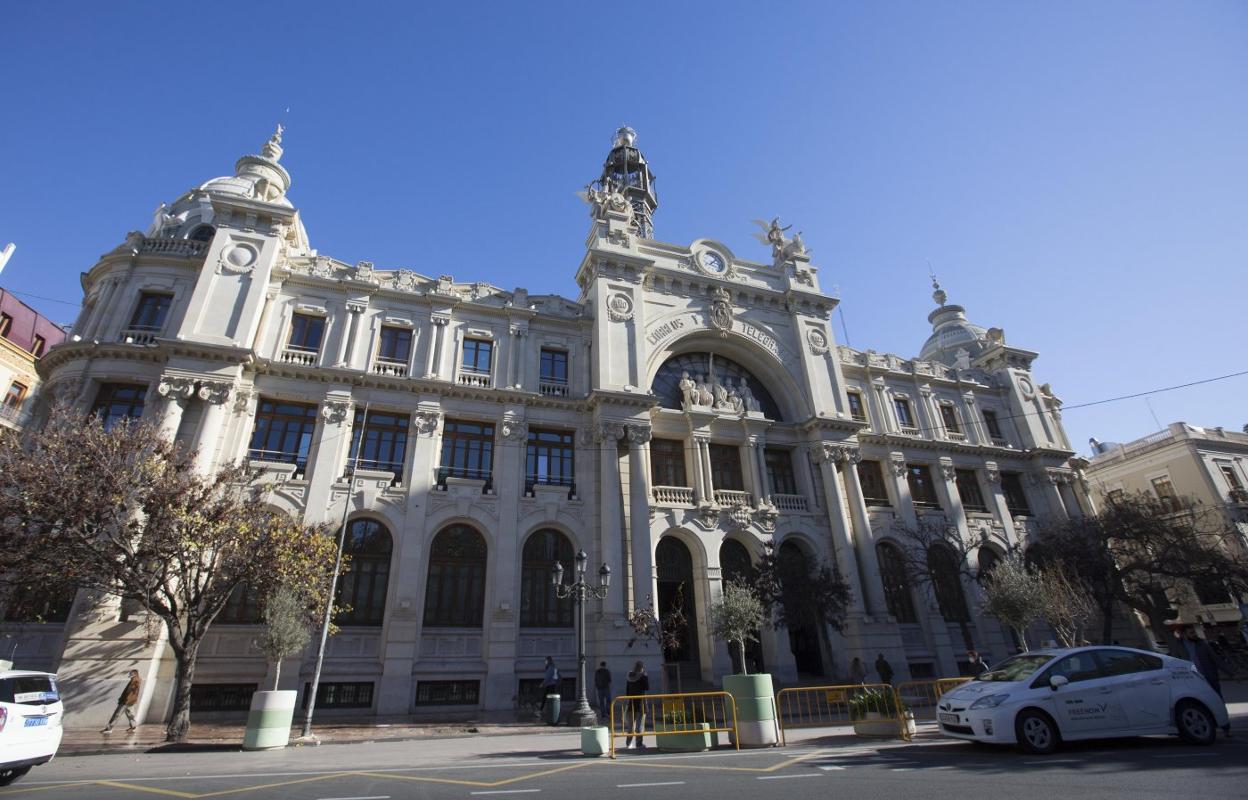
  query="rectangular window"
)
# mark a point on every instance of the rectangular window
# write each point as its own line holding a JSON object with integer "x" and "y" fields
{"x": 221, "y": 696}
{"x": 394, "y": 345}
{"x": 994, "y": 427}
{"x": 554, "y": 366}
{"x": 306, "y": 332}
{"x": 467, "y": 450}
{"x": 904, "y": 418}
{"x": 6, "y": 324}
{"x": 856, "y": 409}
{"x": 478, "y": 354}
{"x": 1228, "y": 474}
{"x": 949, "y": 416}
{"x": 385, "y": 441}
{"x": 283, "y": 433}
{"x": 872, "y": 479}
{"x": 16, "y": 394}
{"x": 340, "y": 695}
{"x": 780, "y": 471}
{"x": 117, "y": 401}
{"x": 448, "y": 693}
{"x": 549, "y": 459}
{"x": 1116, "y": 495}
{"x": 922, "y": 490}
{"x": 1164, "y": 489}
{"x": 667, "y": 462}
{"x": 40, "y": 344}
{"x": 151, "y": 312}
{"x": 968, "y": 490}
{"x": 726, "y": 467}
{"x": 1015, "y": 497}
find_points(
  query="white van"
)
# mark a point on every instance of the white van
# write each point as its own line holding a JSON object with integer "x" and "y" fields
{"x": 30, "y": 722}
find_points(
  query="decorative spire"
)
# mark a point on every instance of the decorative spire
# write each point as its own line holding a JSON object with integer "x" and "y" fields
{"x": 626, "y": 173}
{"x": 939, "y": 295}
{"x": 272, "y": 149}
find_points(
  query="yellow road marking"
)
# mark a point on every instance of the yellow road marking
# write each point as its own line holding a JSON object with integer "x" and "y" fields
{"x": 7, "y": 792}
{"x": 773, "y": 768}
{"x": 312, "y": 779}
{"x": 480, "y": 784}
{"x": 148, "y": 789}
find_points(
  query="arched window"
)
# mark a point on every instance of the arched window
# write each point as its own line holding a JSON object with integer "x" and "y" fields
{"x": 242, "y": 607}
{"x": 942, "y": 565}
{"x": 712, "y": 368}
{"x": 735, "y": 563}
{"x": 363, "y": 587}
{"x": 539, "y": 608}
{"x": 455, "y": 596}
{"x": 896, "y": 586}
{"x": 203, "y": 233}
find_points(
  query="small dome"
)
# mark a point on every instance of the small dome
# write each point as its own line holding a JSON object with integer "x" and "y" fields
{"x": 951, "y": 332}
{"x": 260, "y": 177}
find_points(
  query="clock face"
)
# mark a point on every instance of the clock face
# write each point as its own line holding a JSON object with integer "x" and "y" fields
{"x": 713, "y": 262}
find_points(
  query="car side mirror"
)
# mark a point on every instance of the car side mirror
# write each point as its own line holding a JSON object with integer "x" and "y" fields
{"x": 1058, "y": 681}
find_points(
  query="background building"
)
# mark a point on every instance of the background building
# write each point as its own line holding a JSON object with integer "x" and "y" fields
{"x": 25, "y": 335}
{"x": 687, "y": 407}
{"x": 1207, "y": 466}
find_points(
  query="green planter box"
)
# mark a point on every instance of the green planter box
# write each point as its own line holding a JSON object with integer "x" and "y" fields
{"x": 756, "y": 708}
{"x": 691, "y": 742}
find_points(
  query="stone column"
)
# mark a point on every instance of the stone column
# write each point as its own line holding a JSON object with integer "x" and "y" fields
{"x": 214, "y": 394}
{"x": 999, "y": 507}
{"x": 1047, "y": 482}
{"x": 705, "y": 449}
{"x": 1069, "y": 498}
{"x": 864, "y": 539}
{"x": 973, "y": 421}
{"x": 176, "y": 391}
{"x": 519, "y": 355}
{"x": 693, "y": 451}
{"x": 642, "y": 555}
{"x": 950, "y": 497}
{"x": 355, "y": 311}
{"x": 896, "y": 467}
{"x": 611, "y": 529}
{"x": 439, "y": 323}
{"x": 758, "y": 453}
{"x": 828, "y": 454}
{"x": 332, "y": 438}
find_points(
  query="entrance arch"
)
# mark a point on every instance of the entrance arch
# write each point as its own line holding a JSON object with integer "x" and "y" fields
{"x": 735, "y": 564}
{"x": 674, "y": 566}
{"x": 804, "y": 641}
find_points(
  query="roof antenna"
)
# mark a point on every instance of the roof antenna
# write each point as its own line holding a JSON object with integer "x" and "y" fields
{"x": 938, "y": 294}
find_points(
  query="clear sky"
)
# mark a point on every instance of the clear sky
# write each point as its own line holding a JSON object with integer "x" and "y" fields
{"x": 1076, "y": 173}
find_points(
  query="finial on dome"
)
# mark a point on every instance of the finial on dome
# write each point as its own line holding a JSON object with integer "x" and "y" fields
{"x": 624, "y": 137}
{"x": 272, "y": 149}
{"x": 939, "y": 295}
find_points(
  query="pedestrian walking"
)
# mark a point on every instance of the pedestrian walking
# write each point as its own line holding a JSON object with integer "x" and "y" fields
{"x": 884, "y": 669}
{"x": 978, "y": 667}
{"x": 602, "y": 689}
{"x": 638, "y": 684}
{"x": 550, "y": 682}
{"x": 1191, "y": 647}
{"x": 857, "y": 672}
{"x": 129, "y": 697}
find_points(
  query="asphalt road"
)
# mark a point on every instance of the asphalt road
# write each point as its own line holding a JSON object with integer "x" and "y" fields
{"x": 533, "y": 768}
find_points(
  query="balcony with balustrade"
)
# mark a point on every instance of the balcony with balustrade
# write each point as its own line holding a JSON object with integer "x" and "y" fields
{"x": 672, "y": 495}
{"x": 390, "y": 368}
{"x": 549, "y": 388}
{"x": 730, "y": 498}
{"x": 299, "y": 356}
{"x": 791, "y": 503}
{"x": 477, "y": 379}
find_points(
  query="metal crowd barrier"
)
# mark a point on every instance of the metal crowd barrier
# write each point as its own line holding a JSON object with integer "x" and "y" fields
{"x": 671, "y": 714}
{"x": 827, "y": 706}
{"x": 921, "y": 697}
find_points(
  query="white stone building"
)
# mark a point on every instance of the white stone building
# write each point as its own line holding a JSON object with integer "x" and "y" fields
{"x": 505, "y": 428}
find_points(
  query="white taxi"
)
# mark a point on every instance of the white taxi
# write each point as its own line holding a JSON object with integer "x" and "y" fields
{"x": 30, "y": 722}
{"x": 1039, "y": 699}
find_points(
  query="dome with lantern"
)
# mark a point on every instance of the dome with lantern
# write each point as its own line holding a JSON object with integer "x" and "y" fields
{"x": 955, "y": 340}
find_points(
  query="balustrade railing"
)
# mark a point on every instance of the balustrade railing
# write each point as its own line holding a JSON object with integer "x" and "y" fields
{"x": 140, "y": 335}
{"x": 673, "y": 495}
{"x": 296, "y": 355}
{"x": 553, "y": 388}
{"x": 909, "y": 430}
{"x": 174, "y": 247}
{"x": 481, "y": 379}
{"x": 394, "y": 369}
{"x": 956, "y": 436}
{"x": 789, "y": 502}
{"x": 998, "y": 441}
{"x": 732, "y": 497}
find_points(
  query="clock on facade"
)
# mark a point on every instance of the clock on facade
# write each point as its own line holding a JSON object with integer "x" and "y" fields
{"x": 713, "y": 262}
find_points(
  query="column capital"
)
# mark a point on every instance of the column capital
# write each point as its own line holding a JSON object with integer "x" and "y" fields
{"x": 242, "y": 399}
{"x": 835, "y": 452}
{"x": 992, "y": 472}
{"x": 425, "y": 422}
{"x": 215, "y": 392}
{"x": 608, "y": 431}
{"x": 638, "y": 434}
{"x": 175, "y": 387}
{"x": 335, "y": 411}
{"x": 947, "y": 470}
{"x": 519, "y": 331}
{"x": 513, "y": 430}
{"x": 898, "y": 463}
{"x": 355, "y": 307}
{"x": 439, "y": 319}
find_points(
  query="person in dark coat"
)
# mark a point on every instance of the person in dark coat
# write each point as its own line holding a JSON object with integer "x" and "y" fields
{"x": 978, "y": 667}
{"x": 126, "y": 702}
{"x": 602, "y": 688}
{"x": 1189, "y": 646}
{"x": 550, "y": 682}
{"x": 638, "y": 684}
{"x": 884, "y": 669}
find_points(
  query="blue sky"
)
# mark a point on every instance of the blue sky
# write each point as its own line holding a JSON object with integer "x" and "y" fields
{"x": 1077, "y": 173}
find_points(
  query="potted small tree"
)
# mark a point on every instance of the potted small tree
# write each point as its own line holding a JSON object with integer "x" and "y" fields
{"x": 735, "y": 619}
{"x": 874, "y": 712}
{"x": 286, "y": 633}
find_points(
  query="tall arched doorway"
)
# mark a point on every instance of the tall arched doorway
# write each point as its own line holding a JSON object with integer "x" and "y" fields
{"x": 803, "y": 641}
{"x": 674, "y": 565}
{"x": 735, "y": 565}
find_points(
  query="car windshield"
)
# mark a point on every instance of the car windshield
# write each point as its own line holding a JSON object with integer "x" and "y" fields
{"x": 1016, "y": 668}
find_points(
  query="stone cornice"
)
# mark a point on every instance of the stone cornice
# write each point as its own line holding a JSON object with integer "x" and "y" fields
{"x": 895, "y": 440}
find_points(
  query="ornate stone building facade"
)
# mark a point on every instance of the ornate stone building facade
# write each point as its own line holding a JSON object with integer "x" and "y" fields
{"x": 686, "y": 408}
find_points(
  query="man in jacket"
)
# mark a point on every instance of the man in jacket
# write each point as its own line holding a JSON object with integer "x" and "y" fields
{"x": 602, "y": 688}
{"x": 129, "y": 697}
{"x": 550, "y": 682}
{"x": 884, "y": 669}
{"x": 1188, "y": 645}
{"x": 638, "y": 684}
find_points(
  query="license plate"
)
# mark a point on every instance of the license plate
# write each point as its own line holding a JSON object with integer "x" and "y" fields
{"x": 949, "y": 719}
{"x": 35, "y": 722}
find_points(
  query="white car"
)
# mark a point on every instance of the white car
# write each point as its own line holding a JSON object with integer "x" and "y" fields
{"x": 30, "y": 722}
{"x": 1038, "y": 699}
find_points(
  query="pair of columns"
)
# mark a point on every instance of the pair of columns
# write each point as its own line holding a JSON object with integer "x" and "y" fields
{"x": 177, "y": 392}
{"x": 754, "y": 463}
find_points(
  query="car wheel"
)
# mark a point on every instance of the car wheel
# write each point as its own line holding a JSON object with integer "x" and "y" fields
{"x": 7, "y": 776}
{"x": 1036, "y": 732}
{"x": 1196, "y": 725}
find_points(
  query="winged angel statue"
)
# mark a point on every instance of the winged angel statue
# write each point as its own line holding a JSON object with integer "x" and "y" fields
{"x": 782, "y": 247}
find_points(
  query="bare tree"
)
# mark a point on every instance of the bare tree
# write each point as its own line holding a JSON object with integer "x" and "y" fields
{"x": 123, "y": 511}
{"x": 934, "y": 555}
{"x": 1014, "y": 594}
{"x": 1066, "y": 606}
{"x": 799, "y": 592}
{"x": 1143, "y": 552}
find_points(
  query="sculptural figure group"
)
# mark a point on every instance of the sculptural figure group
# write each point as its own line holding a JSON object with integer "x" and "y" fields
{"x": 727, "y": 396}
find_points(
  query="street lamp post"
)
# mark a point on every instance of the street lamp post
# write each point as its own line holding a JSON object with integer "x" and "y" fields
{"x": 580, "y": 591}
